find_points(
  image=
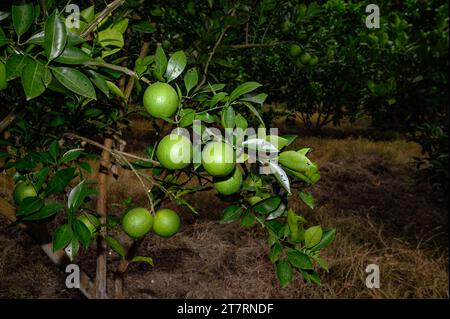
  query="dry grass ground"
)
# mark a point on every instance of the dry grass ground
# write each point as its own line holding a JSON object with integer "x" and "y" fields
{"x": 367, "y": 192}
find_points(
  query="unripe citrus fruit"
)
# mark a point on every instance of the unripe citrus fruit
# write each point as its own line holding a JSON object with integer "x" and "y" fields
{"x": 230, "y": 184}
{"x": 166, "y": 223}
{"x": 160, "y": 100}
{"x": 137, "y": 222}
{"x": 22, "y": 191}
{"x": 90, "y": 221}
{"x": 218, "y": 158}
{"x": 305, "y": 57}
{"x": 174, "y": 151}
{"x": 294, "y": 50}
{"x": 314, "y": 60}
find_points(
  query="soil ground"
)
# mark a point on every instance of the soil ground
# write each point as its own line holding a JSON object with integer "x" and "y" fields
{"x": 367, "y": 191}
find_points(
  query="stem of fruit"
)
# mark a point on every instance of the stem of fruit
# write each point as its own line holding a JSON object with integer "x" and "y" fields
{"x": 101, "y": 272}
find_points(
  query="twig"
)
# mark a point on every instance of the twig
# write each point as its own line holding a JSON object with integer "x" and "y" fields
{"x": 142, "y": 54}
{"x": 112, "y": 151}
{"x": 7, "y": 120}
{"x": 109, "y": 8}
{"x": 256, "y": 45}
{"x": 119, "y": 68}
{"x": 211, "y": 54}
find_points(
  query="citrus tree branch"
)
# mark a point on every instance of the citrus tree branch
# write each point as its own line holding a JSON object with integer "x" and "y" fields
{"x": 7, "y": 120}
{"x": 119, "y": 68}
{"x": 99, "y": 18}
{"x": 256, "y": 45}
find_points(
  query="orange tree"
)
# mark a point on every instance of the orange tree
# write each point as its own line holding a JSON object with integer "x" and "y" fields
{"x": 70, "y": 83}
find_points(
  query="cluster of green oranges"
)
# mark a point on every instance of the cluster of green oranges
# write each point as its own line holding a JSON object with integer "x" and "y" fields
{"x": 174, "y": 151}
{"x": 301, "y": 57}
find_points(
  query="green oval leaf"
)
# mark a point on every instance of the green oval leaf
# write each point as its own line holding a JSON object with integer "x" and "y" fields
{"x": 176, "y": 65}
{"x": 77, "y": 196}
{"x": 61, "y": 179}
{"x": 281, "y": 176}
{"x": 62, "y": 237}
{"x": 45, "y": 212}
{"x": 55, "y": 36}
{"x": 308, "y": 199}
{"x": 22, "y": 17}
{"x": 160, "y": 61}
{"x": 313, "y": 235}
{"x": 29, "y": 205}
{"x": 242, "y": 89}
{"x": 230, "y": 214}
{"x": 190, "y": 79}
{"x": 228, "y": 115}
{"x": 75, "y": 81}
{"x": 327, "y": 238}
{"x": 82, "y": 232}
{"x": 299, "y": 259}
{"x": 284, "y": 273}
{"x": 115, "y": 245}
{"x": 267, "y": 205}
{"x": 72, "y": 55}
{"x": 33, "y": 77}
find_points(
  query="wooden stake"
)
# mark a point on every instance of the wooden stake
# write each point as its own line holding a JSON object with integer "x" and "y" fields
{"x": 102, "y": 207}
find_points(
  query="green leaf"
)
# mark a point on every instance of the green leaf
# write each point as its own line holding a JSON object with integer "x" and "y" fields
{"x": 40, "y": 177}
{"x": 275, "y": 252}
{"x": 258, "y": 98}
{"x": 248, "y": 219}
{"x": 289, "y": 138}
{"x": 14, "y": 65}
{"x": 72, "y": 55}
{"x": 277, "y": 141}
{"x": 190, "y": 79}
{"x": 75, "y": 81}
{"x": 99, "y": 82}
{"x": 160, "y": 61}
{"x": 277, "y": 212}
{"x": 294, "y": 161}
{"x": 46, "y": 211}
{"x": 115, "y": 245}
{"x": 299, "y": 259}
{"x": 187, "y": 117}
{"x": 211, "y": 88}
{"x": 54, "y": 149}
{"x": 88, "y": 14}
{"x": 22, "y": 16}
{"x": 82, "y": 232}
{"x": 120, "y": 25}
{"x": 260, "y": 144}
{"x": 242, "y": 89}
{"x": 217, "y": 98}
{"x": 110, "y": 38}
{"x": 176, "y": 65}
{"x": 284, "y": 273}
{"x": 228, "y": 116}
{"x": 72, "y": 248}
{"x": 32, "y": 79}
{"x": 71, "y": 155}
{"x": 145, "y": 259}
{"x": 241, "y": 122}
{"x": 61, "y": 179}
{"x": 327, "y": 238}
{"x": 29, "y": 205}
{"x": 39, "y": 39}
{"x": 55, "y": 36}
{"x": 313, "y": 235}
{"x": 77, "y": 196}
{"x": 311, "y": 276}
{"x": 3, "y": 39}
{"x": 86, "y": 166}
{"x": 268, "y": 205}
{"x": 144, "y": 27}
{"x": 255, "y": 112}
{"x": 62, "y": 237}
{"x": 280, "y": 175}
{"x": 230, "y": 214}
{"x": 308, "y": 199}
{"x": 115, "y": 89}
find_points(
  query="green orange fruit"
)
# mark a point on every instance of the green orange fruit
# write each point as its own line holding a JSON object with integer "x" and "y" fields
{"x": 230, "y": 184}
{"x": 218, "y": 158}
{"x": 22, "y": 191}
{"x": 166, "y": 223}
{"x": 137, "y": 222}
{"x": 294, "y": 50}
{"x": 174, "y": 151}
{"x": 161, "y": 100}
{"x": 305, "y": 57}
